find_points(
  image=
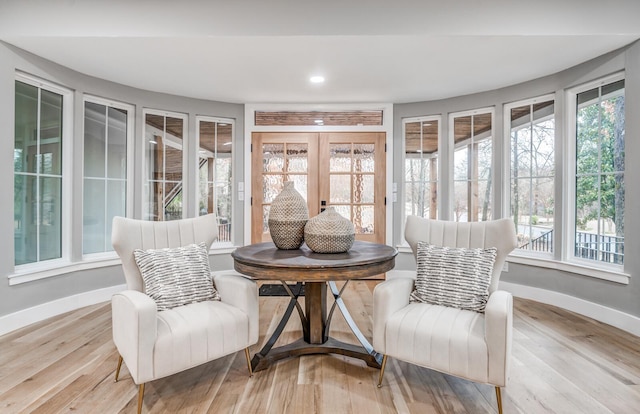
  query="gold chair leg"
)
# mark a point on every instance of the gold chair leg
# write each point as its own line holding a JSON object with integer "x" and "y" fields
{"x": 384, "y": 364}
{"x": 499, "y": 399}
{"x": 140, "y": 396}
{"x": 246, "y": 353}
{"x": 118, "y": 368}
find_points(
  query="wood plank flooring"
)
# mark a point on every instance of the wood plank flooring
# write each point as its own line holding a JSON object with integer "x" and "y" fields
{"x": 562, "y": 363}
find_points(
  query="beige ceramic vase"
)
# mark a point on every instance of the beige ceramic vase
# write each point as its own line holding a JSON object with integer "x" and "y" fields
{"x": 329, "y": 232}
{"x": 287, "y": 217}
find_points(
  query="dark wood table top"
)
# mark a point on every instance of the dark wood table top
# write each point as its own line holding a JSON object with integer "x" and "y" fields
{"x": 264, "y": 261}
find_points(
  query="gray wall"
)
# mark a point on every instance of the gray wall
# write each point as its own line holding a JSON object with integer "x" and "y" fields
{"x": 610, "y": 294}
{"x": 23, "y": 296}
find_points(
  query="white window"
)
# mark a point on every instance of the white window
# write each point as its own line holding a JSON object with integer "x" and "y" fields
{"x": 472, "y": 136}
{"x": 598, "y": 185}
{"x": 532, "y": 172}
{"x": 164, "y": 135}
{"x": 215, "y": 150}
{"x": 41, "y": 119}
{"x": 421, "y": 163}
{"x": 107, "y": 128}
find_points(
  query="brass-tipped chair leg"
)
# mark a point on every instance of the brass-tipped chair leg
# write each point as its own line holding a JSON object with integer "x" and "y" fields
{"x": 118, "y": 368}
{"x": 246, "y": 353}
{"x": 140, "y": 396}
{"x": 499, "y": 399}
{"x": 384, "y": 364}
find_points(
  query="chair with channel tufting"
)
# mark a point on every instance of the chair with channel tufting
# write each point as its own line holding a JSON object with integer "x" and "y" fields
{"x": 470, "y": 344}
{"x": 157, "y": 343}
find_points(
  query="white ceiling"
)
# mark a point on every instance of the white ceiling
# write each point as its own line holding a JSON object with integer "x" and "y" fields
{"x": 256, "y": 51}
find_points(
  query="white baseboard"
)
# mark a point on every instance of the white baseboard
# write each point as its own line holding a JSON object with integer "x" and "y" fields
{"x": 38, "y": 313}
{"x": 592, "y": 310}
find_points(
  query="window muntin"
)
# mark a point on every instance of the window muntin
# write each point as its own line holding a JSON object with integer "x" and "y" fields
{"x": 532, "y": 172}
{"x": 163, "y": 175}
{"x": 421, "y": 159}
{"x": 105, "y": 172}
{"x": 599, "y": 174}
{"x": 38, "y": 175}
{"x": 215, "y": 152}
{"x": 472, "y": 166}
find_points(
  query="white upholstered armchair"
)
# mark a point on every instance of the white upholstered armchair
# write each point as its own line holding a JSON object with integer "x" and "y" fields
{"x": 157, "y": 343}
{"x": 464, "y": 343}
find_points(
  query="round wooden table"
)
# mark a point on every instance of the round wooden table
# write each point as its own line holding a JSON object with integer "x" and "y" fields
{"x": 263, "y": 261}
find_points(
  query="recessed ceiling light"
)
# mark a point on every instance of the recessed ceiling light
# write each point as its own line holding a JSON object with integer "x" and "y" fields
{"x": 426, "y": 124}
{"x": 316, "y": 79}
{"x": 318, "y": 121}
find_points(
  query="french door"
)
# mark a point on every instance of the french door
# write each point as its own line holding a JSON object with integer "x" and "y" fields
{"x": 343, "y": 170}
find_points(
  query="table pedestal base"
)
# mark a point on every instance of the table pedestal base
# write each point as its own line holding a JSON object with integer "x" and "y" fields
{"x": 315, "y": 327}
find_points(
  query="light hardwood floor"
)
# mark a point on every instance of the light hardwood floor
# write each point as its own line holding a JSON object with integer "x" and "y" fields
{"x": 562, "y": 363}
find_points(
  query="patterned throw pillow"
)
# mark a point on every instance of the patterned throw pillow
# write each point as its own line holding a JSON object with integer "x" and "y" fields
{"x": 453, "y": 276}
{"x": 176, "y": 276}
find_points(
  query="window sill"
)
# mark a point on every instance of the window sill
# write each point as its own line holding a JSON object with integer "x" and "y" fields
{"x": 43, "y": 271}
{"x": 611, "y": 275}
{"x": 30, "y": 273}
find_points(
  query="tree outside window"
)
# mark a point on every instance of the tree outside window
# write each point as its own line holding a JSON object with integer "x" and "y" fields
{"x": 599, "y": 185}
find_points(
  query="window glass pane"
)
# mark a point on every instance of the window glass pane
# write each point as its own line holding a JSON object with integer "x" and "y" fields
{"x": 51, "y": 132}
{"x": 94, "y": 139}
{"x": 297, "y": 155}
{"x": 117, "y": 143}
{"x": 26, "y": 125}
{"x": 363, "y": 219}
{"x": 273, "y": 156}
{"x": 25, "y": 219}
{"x": 363, "y": 158}
{"x": 340, "y": 157}
{"x": 50, "y": 229}
{"x": 116, "y": 204}
{"x": 340, "y": 188}
{"x": 588, "y": 137}
{"x": 93, "y": 222}
{"x": 172, "y": 201}
{"x": 363, "y": 188}
{"x": 272, "y": 185}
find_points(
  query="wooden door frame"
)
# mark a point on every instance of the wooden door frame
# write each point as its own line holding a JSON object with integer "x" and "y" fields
{"x": 243, "y": 184}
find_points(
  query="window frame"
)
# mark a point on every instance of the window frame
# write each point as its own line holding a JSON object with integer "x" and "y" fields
{"x": 403, "y": 180}
{"x": 569, "y": 187}
{"x": 130, "y": 139}
{"x": 185, "y": 159}
{"x": 506, "y": 178}
{"x": 66, "y": 177}
{"x": 451, "y": 159}
{"x": 218, "y": 120}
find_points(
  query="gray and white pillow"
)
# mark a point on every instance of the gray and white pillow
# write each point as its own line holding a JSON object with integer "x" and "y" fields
{"x": 176, "y": 276}
{"x": 454, "y": 276}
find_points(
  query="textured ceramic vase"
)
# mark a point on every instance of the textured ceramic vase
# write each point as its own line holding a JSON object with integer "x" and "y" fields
{"x": 329, "y": 232}
{"x": 287, "y": 217}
